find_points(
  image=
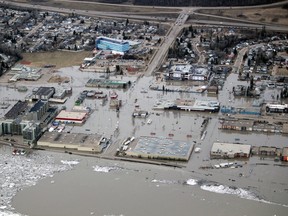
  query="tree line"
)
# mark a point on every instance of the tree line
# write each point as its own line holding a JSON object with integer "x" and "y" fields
{"x": 205, "y": 3}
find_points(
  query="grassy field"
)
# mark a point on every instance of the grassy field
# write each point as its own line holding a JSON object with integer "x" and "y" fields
{"x": 58, "y": 58}
{"x": 276, "y": 15}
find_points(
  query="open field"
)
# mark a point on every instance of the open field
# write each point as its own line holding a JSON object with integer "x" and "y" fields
{"x": 276, "y": 15}
{"x": 95, "y": 6}
{"x": 59, "y": 58}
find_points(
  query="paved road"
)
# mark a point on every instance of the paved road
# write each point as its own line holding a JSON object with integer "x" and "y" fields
{"x": 162, "y": 51}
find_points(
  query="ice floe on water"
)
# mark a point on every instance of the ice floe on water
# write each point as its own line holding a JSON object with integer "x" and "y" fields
{"x": 69, "y": 162}
{"x": 104, "y": 169}
{"x": 8, "y": 213}
{"x": 192, "y": 182}
{"x": 223, "y": 189}
{"x": 18, "y": 172}
{"x": 163, "y": 181}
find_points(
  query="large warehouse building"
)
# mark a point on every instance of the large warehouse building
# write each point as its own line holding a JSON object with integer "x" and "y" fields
{"x": 230, "y": 150}
{"x": 118, "y": 46}
{"x": 161, "y": 148}
{"x": 76, "y": 141}
{"x": 71, "y": 117}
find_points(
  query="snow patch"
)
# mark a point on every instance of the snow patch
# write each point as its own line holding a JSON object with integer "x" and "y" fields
{"x": 104, "y": 169}
{"x": 240, "y": 192}
{"x": 163, "y": 181}
{"x": 191, "y": 182}
{"x": 66, "y": 162}
{"x": 8, "y": 213}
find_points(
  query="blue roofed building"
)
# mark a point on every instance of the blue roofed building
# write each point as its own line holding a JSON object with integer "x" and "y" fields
{"x": 38, "y": 110}
{"x": 118, "y": 46}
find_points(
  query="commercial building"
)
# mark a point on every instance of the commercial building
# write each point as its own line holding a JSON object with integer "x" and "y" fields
{"x": 71, "y": 117}
{"x": 104, "y": 83}
{"x": 161, "y": 148}
{"x": 198, "y": 105}
{"x": 118, "y": 46}
{"x": 18, "y": 109}
{"x": 38, "y": 110}
{"x": 43, "y": 93}
{"x": 72, "y": 141}
{"x": 30, "y": 131}
{"x": 230, "y": 150}
{"x": 266, "y": 151}
{"x": 237, "y": 124}
{"x": 187, "y": 72}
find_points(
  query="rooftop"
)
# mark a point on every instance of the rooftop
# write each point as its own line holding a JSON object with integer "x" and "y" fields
{"x": 161, "y": 148}
{"x": 70, "y": 139}
{"x": 44, "y": 91}
{"x": 37, "y": 106}
{"x": 16, "y": 110}
{"x": 71, "y": 115}
{"x": 231, "y": 148}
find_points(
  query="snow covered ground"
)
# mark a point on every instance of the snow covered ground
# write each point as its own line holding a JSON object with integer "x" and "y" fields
{"x": 20, "y": 171}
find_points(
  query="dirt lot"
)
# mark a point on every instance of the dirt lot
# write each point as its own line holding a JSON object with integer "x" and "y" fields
{"x": 58, "y": 58}
{"x": 267, "y": 15}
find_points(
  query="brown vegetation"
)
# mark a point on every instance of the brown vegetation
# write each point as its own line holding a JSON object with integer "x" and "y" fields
{"x": 58, "y": 58}
{"x": 277, "y": 15}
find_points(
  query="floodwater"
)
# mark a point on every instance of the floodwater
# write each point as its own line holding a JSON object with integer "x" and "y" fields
{"x": 135, "y": 189}
{"x": 104, "y": 187}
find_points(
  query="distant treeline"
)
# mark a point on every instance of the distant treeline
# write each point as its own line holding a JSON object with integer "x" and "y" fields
{"x": 204, "y": 3}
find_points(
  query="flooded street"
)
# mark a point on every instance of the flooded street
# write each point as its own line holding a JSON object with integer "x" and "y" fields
{"x": 109, "y": 187}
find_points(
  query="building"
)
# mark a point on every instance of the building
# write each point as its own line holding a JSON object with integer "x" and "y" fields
{"x": 160, "y": 148}
{"x": 277, "y": 108}
{"x": 197, "y": 105}
{"x": 118, "y": 46}
{"x": 266, "y": 151}
{"x": 71, "y": 117}
{"x": 30, "y": 131}
{"x": 18, "y": 109}
{"x": 187, "y": 72}
{"x": 43, "y": 93}
{"x": 72, "y": 141}
{"x": 284, "y": 154}
{"x": 230, "y": 150}
{"x": 38, "y": 110}
{"x": 237, "y": 124}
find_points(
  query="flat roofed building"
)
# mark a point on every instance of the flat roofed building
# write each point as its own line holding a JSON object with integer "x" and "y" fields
{"x": 19, "y": 108}
{"x": 72, "y": 117}
{"x": 187, "y": 72}
{"x": 43, "y": 93}
{"x": 237, "y": 124}
{"x": 161, "y": 148}
{"x": 105, "y": 43}
{"x": 38, "y": 110}
{"x": 72, "y": 141}
{"x": 229, "y": 150}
